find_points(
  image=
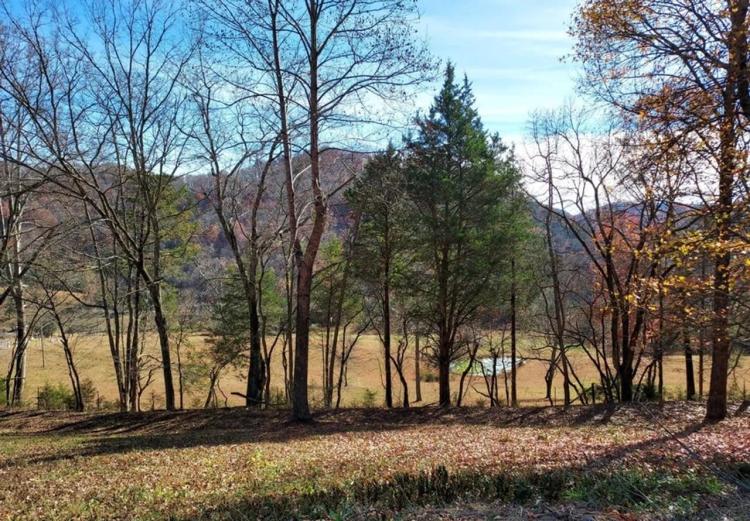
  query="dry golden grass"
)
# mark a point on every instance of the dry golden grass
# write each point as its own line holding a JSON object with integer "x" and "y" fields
{"x": 365, "y": 375}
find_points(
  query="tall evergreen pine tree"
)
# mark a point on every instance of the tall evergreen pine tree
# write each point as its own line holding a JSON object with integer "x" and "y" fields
{"x": 462, "y": 185}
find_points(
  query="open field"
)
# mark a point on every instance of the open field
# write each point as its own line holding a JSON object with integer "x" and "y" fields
{"x": 625, "y": 462}
{"x": 46, "y": 364}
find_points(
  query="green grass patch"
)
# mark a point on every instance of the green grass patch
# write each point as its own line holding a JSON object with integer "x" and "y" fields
{"x": 637, "y": 490}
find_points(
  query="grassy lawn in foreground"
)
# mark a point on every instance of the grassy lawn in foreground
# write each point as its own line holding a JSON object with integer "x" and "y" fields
{"x": 364, "y": 463}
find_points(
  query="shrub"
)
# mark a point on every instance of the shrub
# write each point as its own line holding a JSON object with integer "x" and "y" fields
{"x": 647, "y": 392}
{"x": 735, "y": 392}
{"x": 368, "y": 398}
{"x": 88, "y": 394}
{"x": 277, "y": 398}
{"x": 595, "y": 393}
{"x": 59, "y": 397}
{"x": 55, "y": 397}
{"x": 429, "y": 377}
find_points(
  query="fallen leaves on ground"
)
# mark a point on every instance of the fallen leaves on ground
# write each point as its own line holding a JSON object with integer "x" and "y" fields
{"x": 157, "y": 465}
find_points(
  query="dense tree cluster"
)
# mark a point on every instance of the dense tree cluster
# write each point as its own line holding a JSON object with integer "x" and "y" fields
{"x": 176, "y": 167}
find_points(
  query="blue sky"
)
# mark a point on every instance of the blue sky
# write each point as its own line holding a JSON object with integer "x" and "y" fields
{"x": 511, "y": 51}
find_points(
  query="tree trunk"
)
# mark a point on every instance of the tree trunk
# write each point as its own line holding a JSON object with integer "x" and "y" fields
{"x": 112, "y": 336}
{"x": 689, "y": 373}
{"x": 387, "y": 340}
{"x": 134, "y": 311}
{"x": 513, "y": 381}
{"x": 300, "y": 406}
{"x": 717, "y": 394}
{"x": 702, "y": 337}
{"x": 180, "y": 378}
{"x": 21, "y": 345}
{"x": 75, "y": 381}
{"x": 701, "y": 376}
{"x": 166, "y": 359}
{"x": 566, "y": 378}
{"x": 626, "y": 376}
{"x": 404, "y": 385}
{"x": 340, "y": 298}
{"x": 660, "y": 344}
{"x": 417, "y": 376}
{"x": 444, "y": 370}
{"x": 305, "y": 263}
{"x": 256, "y": 371}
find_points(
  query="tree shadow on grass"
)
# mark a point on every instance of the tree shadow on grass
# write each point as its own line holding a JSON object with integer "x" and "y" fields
{"x": 155, "y": 422}
{"x": 117, "y": 433}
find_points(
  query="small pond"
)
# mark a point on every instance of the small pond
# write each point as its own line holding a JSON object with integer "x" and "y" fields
{"x": 484, "y": 365}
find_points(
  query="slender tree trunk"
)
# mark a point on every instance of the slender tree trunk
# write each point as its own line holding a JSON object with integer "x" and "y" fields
{"x": 160, "y": 321}
{"x": 295, "y": 251}
{"x": 559, "y": 322}
{"x": 133, "y": 343}
{"x": 701, "y": 376}
{"x": 626, "y": 374}
{"x": 444, "y": 369}
{"x": 17, "y": 294}
{"x": 180, "y": 378}
{"x": 21, "y": 344}
{"x": 404, "y": 386}
{"x": 506, "y": 386}
{"x": 417, "y": 376}
{"x": 340, "y": 298}
{"x": 702, "y": 338}
{"x": 256, "y": 371}
{"x": 513, "y": 379}
{"x": 327, "y": 351}
{"x": 22, "y": 338}
{"x": 717, "y": 393}
{"x": 306, "y": 261}
{"x": 111, "y": 335}
{"x": 387, "y": 339}
{"x": 287, "y": 354}
{"x": 75, "y": 381}
{"x": 342, "y": 368}
{"x": 465, "y": 373}
{"x": 660, "y": 344}
{"x": 689, "y": 373}
{"x": 300, "y": 406}
{"x": 566, "y": 378}
{"x": 406, "y": 391}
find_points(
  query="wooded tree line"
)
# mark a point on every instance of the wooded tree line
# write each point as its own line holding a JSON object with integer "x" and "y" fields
{"x": 137, "y": 135}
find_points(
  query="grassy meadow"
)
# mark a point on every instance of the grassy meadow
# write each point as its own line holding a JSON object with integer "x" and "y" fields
{"x": 364, "y": 387}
